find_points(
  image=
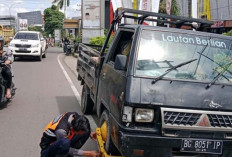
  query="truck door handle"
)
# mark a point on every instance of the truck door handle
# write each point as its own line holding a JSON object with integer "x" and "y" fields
{"x": 103, "y": 76}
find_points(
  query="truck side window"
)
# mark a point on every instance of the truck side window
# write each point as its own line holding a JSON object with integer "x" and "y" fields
{"x": 122, "y": 46}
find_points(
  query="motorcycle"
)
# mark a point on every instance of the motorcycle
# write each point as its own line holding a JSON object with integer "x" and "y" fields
{"x": 3, "y": 99}
{"x": 67, "y": 48}
{"x": 47, "y": 44}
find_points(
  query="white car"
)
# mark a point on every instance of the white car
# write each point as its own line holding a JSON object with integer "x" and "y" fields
{"x": 28, "y": 43}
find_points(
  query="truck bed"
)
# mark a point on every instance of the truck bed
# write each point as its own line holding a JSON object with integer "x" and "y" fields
{"x": 87, "y": 67}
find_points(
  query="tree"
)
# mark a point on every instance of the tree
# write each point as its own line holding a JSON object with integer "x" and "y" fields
{"x": 35, "y": 28}
{"x": 175, "y": 10}
{"x": 62, "y": 3}
{"x": 53, "y": 20}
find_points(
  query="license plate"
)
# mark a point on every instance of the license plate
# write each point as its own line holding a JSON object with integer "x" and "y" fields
{"x": 202, "y": 146}
{"x": 22, "y": 49}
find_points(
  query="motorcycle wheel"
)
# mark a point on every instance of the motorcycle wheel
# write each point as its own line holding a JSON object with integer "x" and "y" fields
{"x": 13, "y": 89}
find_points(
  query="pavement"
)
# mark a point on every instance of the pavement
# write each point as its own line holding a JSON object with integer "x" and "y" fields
{"x": 45, "y": 90}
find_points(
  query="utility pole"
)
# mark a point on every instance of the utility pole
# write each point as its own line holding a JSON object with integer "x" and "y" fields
{"x": 190, "y": 8}
{"x": 217, "y": 10}
{"x": 65, "y": 8}
{"x": 229, "y": 7}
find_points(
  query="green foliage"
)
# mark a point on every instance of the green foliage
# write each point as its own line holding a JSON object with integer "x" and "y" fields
{"x": 78, "y": 39}
{"x": 53, "y": 20}
{"x": 97, "y": 41}
{"x": 100, "y": 40}
{"x": 60, "y": 3}
{"x": 228, "y": 33}
{"x": 70, "y": 36}
{"x": 35, "y": 28}
{"x": 175, "y": 10}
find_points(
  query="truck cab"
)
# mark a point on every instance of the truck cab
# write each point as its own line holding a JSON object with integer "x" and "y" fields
{"x": 161, "y": 92}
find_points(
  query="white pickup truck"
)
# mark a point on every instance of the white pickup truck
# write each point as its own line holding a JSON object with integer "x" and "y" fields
{"x": 28, "y": 43}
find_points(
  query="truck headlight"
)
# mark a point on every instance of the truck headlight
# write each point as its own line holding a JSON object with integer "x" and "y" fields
{"x": 12, "y": 45}
{"x": 144, "y": 115}
{"x": 36, "y": 45}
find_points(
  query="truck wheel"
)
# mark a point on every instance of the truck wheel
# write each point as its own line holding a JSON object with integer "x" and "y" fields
{"x": 44, "y": 55}
{"x": 39, "y": 58}
{"x": 86, "y": 101}
{"x": 109, "y": 145}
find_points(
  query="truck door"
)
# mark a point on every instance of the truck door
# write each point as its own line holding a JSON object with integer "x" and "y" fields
{"x": 113, "y": 82}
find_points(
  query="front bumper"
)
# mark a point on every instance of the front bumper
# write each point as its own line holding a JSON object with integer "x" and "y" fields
{"x": 33, "y": 51}
{"x": 152, "y": 145}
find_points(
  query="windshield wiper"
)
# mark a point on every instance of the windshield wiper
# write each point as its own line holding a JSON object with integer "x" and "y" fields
{"x": 171, "y": 69}
{"x": 218, "y": 76}
{"x": 199, "y": 59}
{"x": 215, "y": 62}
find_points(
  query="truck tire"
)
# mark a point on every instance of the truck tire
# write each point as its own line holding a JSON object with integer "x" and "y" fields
{"x": 86, "y": 101}
{"x": 39, "y": 58}
{"x": 44, "y": 55}
{"x": 109, "y": 145}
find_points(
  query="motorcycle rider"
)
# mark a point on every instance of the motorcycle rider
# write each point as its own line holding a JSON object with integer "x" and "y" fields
{"x": 75, "y": 46}
{"x": 66, "y": 42}
{"x": 65, "y": 135}
{"x": 7, "y": 59}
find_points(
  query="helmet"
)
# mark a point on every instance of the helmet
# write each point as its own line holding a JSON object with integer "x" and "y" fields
{"x": 1, "y": 42}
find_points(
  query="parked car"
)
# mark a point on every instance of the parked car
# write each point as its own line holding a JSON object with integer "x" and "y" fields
{"x": 28, "y": 43}
{"x": 160, "y": 91}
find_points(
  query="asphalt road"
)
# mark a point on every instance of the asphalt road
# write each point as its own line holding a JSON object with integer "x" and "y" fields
{"x": 43, "y": 93}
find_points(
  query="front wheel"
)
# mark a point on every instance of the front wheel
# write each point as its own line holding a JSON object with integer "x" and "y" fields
{"x": 44, "y": 55}
{"x": 86, "y": 101}
{"x": 13, "y": 89}
{"x": 39, "y": 58}
{"x": 106, "y": 133}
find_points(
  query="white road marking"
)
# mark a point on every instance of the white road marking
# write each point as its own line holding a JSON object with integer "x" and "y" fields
{"x": 75, "y": 91}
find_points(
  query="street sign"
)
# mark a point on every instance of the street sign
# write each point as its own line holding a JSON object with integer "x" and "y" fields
{"x": 91, "y": 14}
{"x": 194, "y": 9}
{"x": 57, "y": 34}
{"x": 150, "y": 5}
{"x": 23, "y": 24}
{"x": 116, "y": 4}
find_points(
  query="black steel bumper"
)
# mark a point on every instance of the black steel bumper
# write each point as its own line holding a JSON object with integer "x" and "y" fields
{"x": 150, "y": 145}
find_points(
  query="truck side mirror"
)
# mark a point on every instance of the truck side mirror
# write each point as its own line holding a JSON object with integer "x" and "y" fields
{"x": 120, "y": 62}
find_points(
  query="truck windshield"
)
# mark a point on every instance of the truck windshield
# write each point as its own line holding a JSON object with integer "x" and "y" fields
{"x": 27, "y": 36}
{"x": 160, "y": 51}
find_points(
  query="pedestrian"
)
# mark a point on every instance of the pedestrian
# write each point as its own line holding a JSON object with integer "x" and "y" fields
{"x": 65, "y": 135}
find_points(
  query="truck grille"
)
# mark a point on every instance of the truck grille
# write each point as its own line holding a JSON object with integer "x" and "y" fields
{"x": 196, "y": 120}
{"x": 22, "y": 46}
{"x": 220, "y": 120}
{"x": 18, "y": 51}
{"x": 181, "y": 118}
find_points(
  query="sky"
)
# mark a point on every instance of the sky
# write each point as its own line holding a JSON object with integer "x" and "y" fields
{"x": 18, "y": 6}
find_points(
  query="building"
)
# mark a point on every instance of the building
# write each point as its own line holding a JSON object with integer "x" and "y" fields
{"x": 219, "y": 9}
{"x": 8, "y": 21}
{"x": 71, "y": 27}
{"x": 34, "y": 18}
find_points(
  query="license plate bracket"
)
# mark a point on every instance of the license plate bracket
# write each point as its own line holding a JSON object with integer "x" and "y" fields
{"x": 202, "y": 146}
